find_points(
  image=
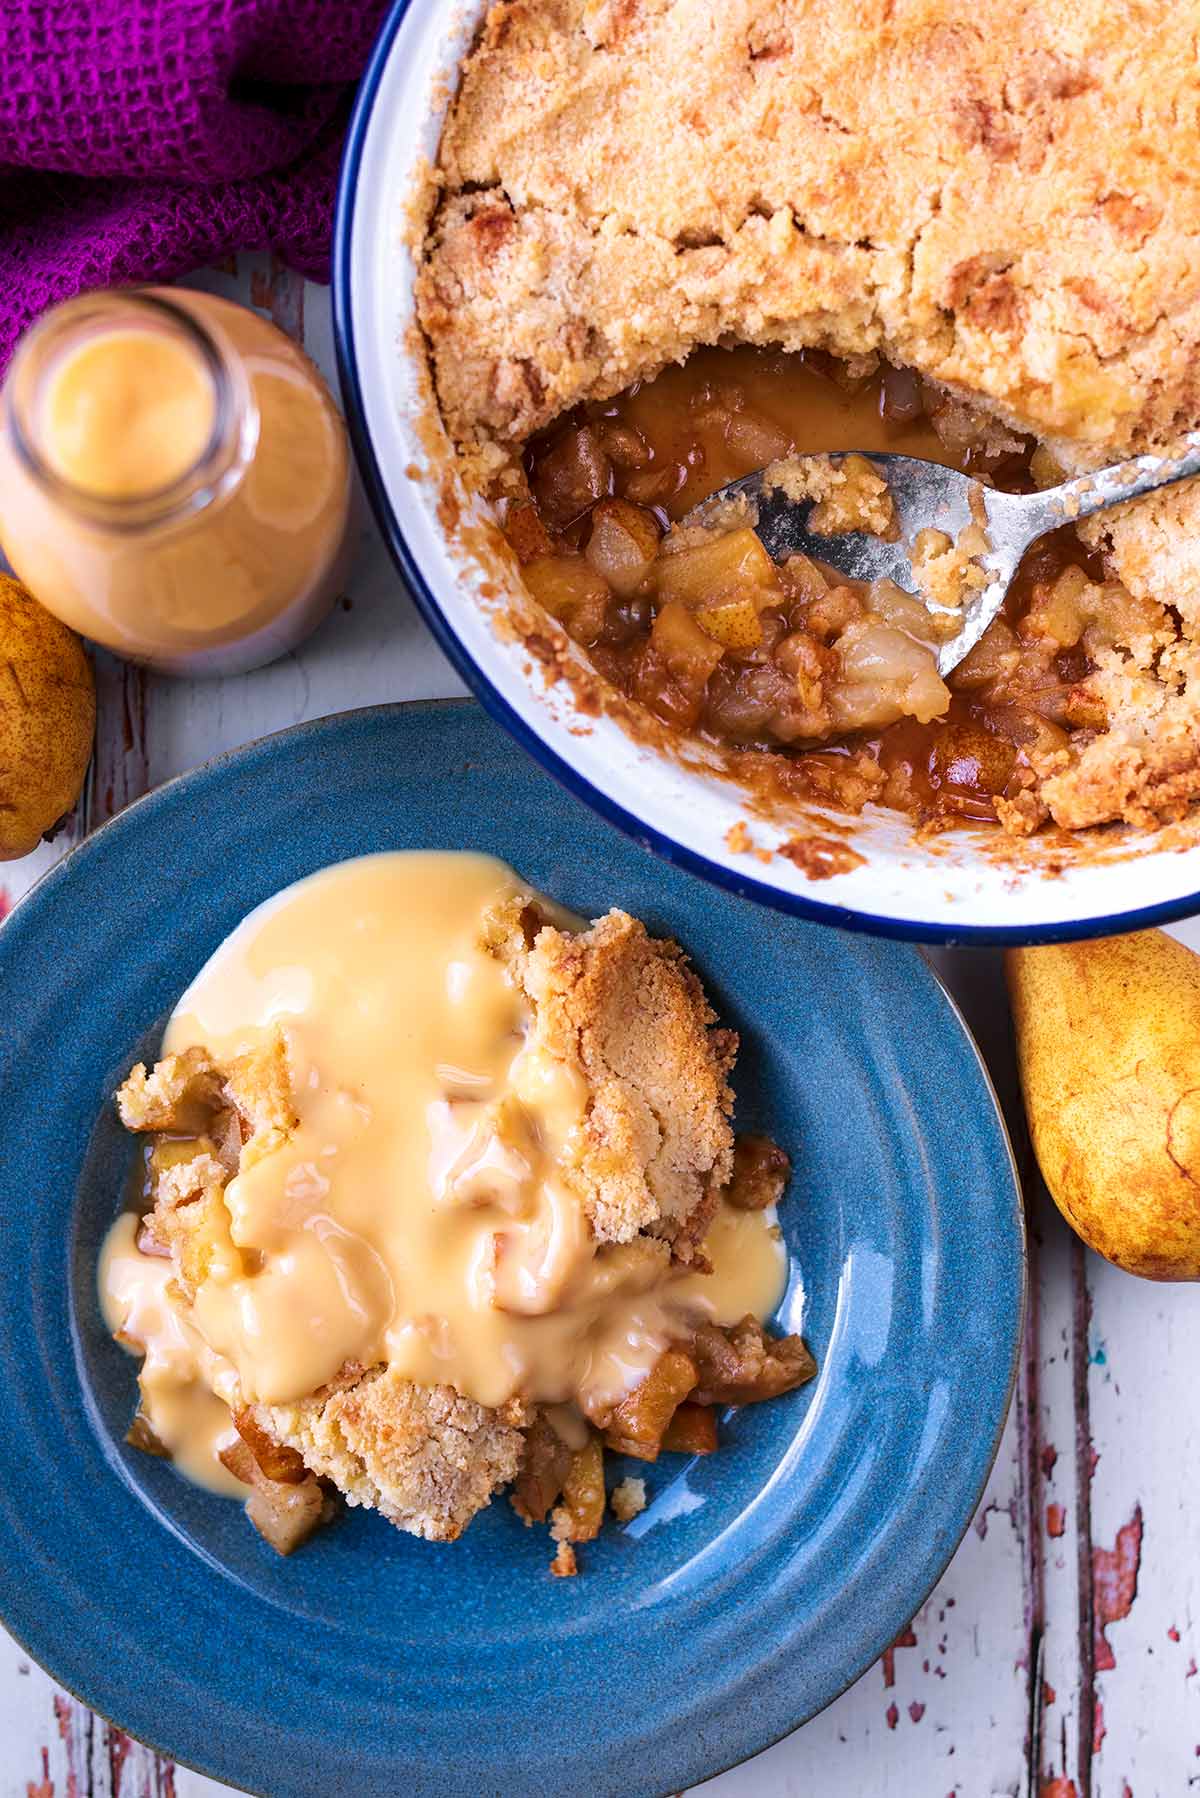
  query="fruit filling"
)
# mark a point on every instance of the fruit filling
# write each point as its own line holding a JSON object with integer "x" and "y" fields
{"x": 838, "y": 679}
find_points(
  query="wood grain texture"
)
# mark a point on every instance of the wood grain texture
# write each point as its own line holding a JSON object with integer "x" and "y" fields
{"x": 1057, "y": 1656}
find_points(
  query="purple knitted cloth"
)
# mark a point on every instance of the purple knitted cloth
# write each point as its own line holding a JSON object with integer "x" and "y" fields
{"x": 143, "y": 138}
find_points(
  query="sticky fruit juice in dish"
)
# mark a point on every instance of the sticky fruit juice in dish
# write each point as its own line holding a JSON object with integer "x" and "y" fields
{"x": 174, "y": 479}
{"x": 703, "y": 629}
{"x": 441, "y": 1195}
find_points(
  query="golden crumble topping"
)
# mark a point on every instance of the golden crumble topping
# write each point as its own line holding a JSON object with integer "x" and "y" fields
{"x": 849, "y": 495}
{"x": 625, "y": 1007}
{"x": 999, "y": 196}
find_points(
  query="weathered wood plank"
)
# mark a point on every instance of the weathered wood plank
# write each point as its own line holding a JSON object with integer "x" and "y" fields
{"x": 50, "y": 1743}
{"x": 1058, "y": 1470}
{"x": 1142, "y": 1350}
{"x": 944, "y": 1712}
{"x": 1144, "y": 1347}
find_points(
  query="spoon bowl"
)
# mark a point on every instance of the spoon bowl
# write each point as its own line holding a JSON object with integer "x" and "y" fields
{"x": 927, "y": 496}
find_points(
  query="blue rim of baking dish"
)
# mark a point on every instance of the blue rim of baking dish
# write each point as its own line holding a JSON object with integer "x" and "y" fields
{"x": 815, "y": 910}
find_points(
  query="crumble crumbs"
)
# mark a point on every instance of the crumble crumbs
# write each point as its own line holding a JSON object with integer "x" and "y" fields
{"x": 849, "y": 494}
{"x": 628, "y": 1499}
{"x": 821, "y": 858}
{"x": 948, "y": 569}
{"x": 564, "y": 1565}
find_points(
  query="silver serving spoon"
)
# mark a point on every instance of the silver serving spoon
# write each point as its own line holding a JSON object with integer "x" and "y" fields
{"x": 927, "y": 496}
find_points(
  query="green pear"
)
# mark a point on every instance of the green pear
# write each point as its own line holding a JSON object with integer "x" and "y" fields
{"x": 1108, "y": 1044}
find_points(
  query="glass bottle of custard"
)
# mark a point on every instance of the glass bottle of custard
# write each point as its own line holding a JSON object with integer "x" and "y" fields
{"x": 175, "y": 479}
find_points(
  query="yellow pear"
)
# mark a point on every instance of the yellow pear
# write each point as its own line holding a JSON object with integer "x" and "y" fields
{"x": 1108, "y": 1043}
{"x": 47, "y": 717}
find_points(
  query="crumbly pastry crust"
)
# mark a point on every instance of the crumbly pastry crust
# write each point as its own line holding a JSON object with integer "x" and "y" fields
{"x": 1000, "y": 196}
{"x": 425, "y": 1456}
{"x": 626, "y": 1009}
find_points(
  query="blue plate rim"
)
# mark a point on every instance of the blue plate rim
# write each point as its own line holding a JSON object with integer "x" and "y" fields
{"x": 146, "y": 805}
{"x": 795, "y": 904}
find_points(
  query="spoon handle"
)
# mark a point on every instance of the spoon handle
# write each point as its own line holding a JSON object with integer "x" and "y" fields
{"x": 1089, "y": 493}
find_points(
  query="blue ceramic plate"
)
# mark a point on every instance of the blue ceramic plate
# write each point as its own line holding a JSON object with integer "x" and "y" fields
{"x": 756, "y": 1585}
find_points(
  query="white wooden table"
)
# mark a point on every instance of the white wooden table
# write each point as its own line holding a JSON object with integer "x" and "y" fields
{"x": 1058, "y": 1656}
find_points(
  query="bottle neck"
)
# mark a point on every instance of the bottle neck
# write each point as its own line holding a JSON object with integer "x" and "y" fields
{"x": 128, "y": 412}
